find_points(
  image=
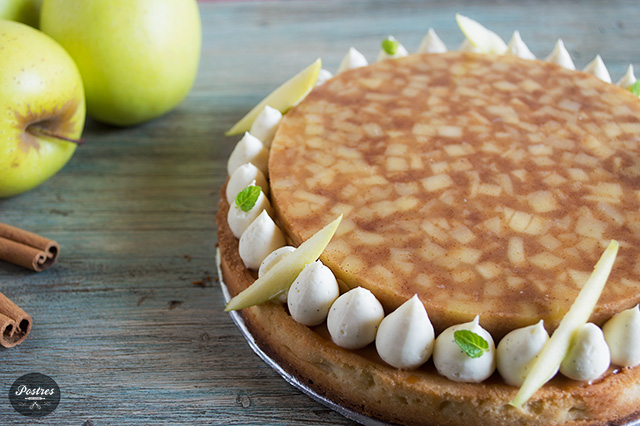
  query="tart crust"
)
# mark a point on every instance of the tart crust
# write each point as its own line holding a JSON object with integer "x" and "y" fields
{"x": 451, "y": 124}
{"x": 360, "y": 380}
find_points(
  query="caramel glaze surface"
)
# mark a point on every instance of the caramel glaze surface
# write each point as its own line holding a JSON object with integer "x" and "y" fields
{"x": 488, "y": 185}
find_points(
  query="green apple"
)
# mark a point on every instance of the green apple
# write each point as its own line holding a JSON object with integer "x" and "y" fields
{"x": 42, "y": 107}
{"x": 138, "y": 58}
{"x": 25, "y": 11}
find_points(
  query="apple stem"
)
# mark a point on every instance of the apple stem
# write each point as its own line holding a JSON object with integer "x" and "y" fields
{"x": 43, "y": 132}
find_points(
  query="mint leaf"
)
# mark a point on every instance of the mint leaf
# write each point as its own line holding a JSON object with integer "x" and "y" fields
{"x": 390, "y": 45}
{"x": 635, "y": 88}
{"x": 246, "y": 199}
{"x": 471, "y": 343}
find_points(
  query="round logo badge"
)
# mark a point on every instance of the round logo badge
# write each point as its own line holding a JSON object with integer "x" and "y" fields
{"x": 34, "y": 395}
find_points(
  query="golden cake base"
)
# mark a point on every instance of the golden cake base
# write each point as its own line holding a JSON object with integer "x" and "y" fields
{"x": 360, "y": 381}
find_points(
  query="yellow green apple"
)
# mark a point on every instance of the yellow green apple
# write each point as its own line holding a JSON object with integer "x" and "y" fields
{"x": 25, "y": 11}
{"x": 138, "y": 58}
{"x": 42, "y": 107}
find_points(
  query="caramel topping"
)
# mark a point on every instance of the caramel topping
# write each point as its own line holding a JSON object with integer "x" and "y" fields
{"x": 488, "y": 185}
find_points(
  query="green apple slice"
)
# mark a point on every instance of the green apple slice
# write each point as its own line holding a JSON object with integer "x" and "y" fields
{"x": 283, "y": 273}
{"x": 283, "y": 98}
{"x": 480, "y": 37}
{"x": 556, "y": 348}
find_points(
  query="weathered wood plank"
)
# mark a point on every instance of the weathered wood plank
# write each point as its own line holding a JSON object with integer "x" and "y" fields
{"x": 130, "y": 321}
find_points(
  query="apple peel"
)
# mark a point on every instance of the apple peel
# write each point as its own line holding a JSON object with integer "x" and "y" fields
{"x": 283, "y": 98}
{"x": 556, "y": 348}
{"x": 480, "y": 37}
{"x": 283, "y": 273}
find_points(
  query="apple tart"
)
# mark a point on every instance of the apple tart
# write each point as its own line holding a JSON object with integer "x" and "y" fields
{"x": 484, "y": 184}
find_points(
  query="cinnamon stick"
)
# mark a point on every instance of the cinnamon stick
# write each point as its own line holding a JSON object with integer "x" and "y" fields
{"x": 15, "y": 324}
{"x": 27, "y": 249}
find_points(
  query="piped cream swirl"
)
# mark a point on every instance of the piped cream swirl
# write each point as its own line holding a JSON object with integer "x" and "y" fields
{"x": 622, "y": 333}
{"x": 405, "y": 337}
{"x": 518, "y": 350}
{"x": 452, "y": 362}
{"x": 354, "y": 318}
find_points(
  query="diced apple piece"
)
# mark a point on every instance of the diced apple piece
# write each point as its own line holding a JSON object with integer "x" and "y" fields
{"x": 537, "y": 226}
{"x": 540, "y": 149}
{"x": 519, "y": 221}
{"x": 554, "y": 179}
{"x": 396, "y": 164}
{"x": 457, "y": 150}
{"x": 437, "y": 182}
{"x": 489, "y": 270}
{"x": 494, "y": 225}
{"x": 515, "y": 282}
{"x": 587, "y": 245}
{"x": 607, "y": 190}
{"x": 434, "y": 232}
{"x": 283, "y": 98}
{"x": 448, "y": 262}
{"x": 505, "y": 182}
{"x": 542, "y": 201}
{"x": 282, "y": 275}
{"x": 450, "y": 132}
{"x": 545, "y": 260}
{"x": 371, "y": 83}
{"x": 489, "y": 189}
{"x": 590, "y": 227}
{"x": 462, "y": 275}
{"x": 598, "y": 149}
{"x": 432, "y": 251}
{"x": 369, "y": 238}
{"x": 578, "y": 174}
{"x": 520, "y": 174}
{"x": 578, "y": 277}
{"x": 353, "y": 263}
{"x": 396, "y": 149}
{"x": 480, "y": 37}
{"x": 404, "y": 204}
{"x": 442, "y": 222}
{"x": 461, "y": 165}
{"x": 554, "y": 351}
{"x": 515, "y": 251}
{"x": 314, "y": 129}
{"x": 462, "y": 234}
{"x": 440, "y": 167}
{"x": 549, "y": 242}
{"x": 467, "y": 255}
{"x": 612, "y": 212}
{"x": 420, "y": 129}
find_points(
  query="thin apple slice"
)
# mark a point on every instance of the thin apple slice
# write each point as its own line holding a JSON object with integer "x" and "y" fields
{"x": 480, "y": 37}
{"x": 556, "y": 348}
{"x": 283, "y": 273}
{"x": 283, "y": 98}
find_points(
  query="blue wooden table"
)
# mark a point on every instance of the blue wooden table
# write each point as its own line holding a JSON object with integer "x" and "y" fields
{"x": 130, "y": 322}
